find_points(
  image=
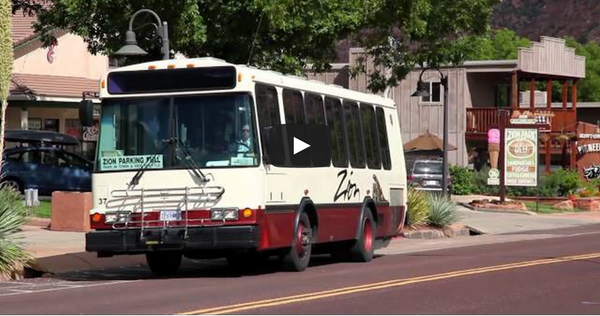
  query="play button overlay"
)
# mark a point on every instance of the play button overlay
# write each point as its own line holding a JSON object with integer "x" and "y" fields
{"x": 299, "y": 145}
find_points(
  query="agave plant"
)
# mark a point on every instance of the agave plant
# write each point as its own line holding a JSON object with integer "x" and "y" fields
{"x": 443, "y": 212}
{"x": 418, "y": 206}
{"x": 12, "y": 217}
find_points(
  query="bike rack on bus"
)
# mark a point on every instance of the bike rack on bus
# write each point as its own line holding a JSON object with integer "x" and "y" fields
{"x": 124, "y": 198}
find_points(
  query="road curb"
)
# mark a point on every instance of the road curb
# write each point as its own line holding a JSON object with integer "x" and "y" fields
{"x": 489, "y": 210}
{"x": 39, "y": 222}
{"x": 440, "y": 234}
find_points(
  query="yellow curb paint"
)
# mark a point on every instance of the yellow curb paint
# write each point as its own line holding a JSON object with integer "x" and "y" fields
{"x": 383, "y": 285}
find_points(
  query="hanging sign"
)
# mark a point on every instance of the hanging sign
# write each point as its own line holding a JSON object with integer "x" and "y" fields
{"x": 521, "y": 156}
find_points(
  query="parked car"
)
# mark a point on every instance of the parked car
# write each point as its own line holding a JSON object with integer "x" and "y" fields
{"x": 44, "y": 164}
{"x": 427, "y": 175}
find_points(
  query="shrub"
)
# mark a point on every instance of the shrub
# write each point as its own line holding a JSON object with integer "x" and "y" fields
{"x": 12, "y": 217}
{"x": 443, "y": 212}
{"x": 561, "y": 183}
{"x": 522, "y": 191}
{"x": 417, "y": 206}
{"x": 462, "y": 180}
{"x": 480, "y": 185}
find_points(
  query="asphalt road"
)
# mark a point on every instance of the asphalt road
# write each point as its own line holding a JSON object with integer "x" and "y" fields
{"x": 558, "y": 275}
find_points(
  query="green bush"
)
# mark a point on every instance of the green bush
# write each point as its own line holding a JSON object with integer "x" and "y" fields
{"x": 480, "y": 185}
{"x": 417, "y": 206}
{"x": 561, "y": 183}
{"x": 462, "y": 180}
{"x": 12, "y": 217}
{"x": 443, "y": 212}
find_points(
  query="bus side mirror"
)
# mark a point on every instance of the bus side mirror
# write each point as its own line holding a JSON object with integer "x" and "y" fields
{"x": 86, "y": 113}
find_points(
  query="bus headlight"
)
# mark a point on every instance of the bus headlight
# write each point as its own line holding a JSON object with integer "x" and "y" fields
{"x": 224, "y": 214}
{"x": 116, "y": 217}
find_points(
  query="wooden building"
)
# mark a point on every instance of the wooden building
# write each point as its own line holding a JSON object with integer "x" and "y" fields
{"x": 481, "y": 93}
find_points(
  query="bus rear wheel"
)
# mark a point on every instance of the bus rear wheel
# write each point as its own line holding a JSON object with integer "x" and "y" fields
{"x": 364, "y": 248}
{"x": 164, "y": 263}
{"x": 297, "y": 257}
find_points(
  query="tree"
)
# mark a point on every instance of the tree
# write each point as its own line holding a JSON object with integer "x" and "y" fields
{"x": 285, "y": 34}
{"x": 26, "y": 6}
{"x": 588, "y": 88}
{"x": 500, "y": 44}
{"x": 6, "y": 64}
{"x": 404, "y": 33}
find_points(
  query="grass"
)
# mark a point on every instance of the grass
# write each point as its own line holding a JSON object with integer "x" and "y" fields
{"x": 44, "y": 210}
{"x": 544, "y": 208}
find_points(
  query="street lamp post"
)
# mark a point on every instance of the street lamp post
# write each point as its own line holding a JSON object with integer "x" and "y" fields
{"x": 423, "y": 91}
{"x": 132, "y": 49}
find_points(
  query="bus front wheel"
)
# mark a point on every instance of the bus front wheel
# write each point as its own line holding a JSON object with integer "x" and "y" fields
{"x": 298, "y": 256}
{"x": 164, "y": 263}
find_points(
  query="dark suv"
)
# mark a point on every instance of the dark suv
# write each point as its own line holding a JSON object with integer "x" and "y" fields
{"x": 43, "y": 165}
{"x": 427, "y": 175}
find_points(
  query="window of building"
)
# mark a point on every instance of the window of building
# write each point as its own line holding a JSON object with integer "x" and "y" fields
{"x": 268, "y": 111}
{"x": 503, "y": 95}
{"x": 383, "y": 139}
{"x": 369, "y": 126}
{"x": 292, "y": 106}
{"x": 435, "y": 93}
{"x": 314, "y": 109}
{"x": 73, "y": 128}
{"x": 333, "y": 109}
{"x": 51, "y": 125}
{"x": 34, "y": 124}
{"x": 353, "y": 132}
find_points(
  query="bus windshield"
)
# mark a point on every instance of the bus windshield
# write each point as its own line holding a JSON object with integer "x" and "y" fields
{"x": 216, "y": 131}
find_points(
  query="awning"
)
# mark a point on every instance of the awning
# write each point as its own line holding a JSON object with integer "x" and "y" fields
{"x": 51, "y": 86}
{"x": 426, "y": 141}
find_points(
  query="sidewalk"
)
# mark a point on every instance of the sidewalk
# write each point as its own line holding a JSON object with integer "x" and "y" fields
{"x": 503, "y": 223}
{"x": 57, "y": 251}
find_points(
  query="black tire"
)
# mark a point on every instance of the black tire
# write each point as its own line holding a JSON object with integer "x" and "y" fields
{"x": 12, "y": 183}
{"x": 363, "y": 249}
{"x": 297, "y": 257}
{"x": 164, "y": 263}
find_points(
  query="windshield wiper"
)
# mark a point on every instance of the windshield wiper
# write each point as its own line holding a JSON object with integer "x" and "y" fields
{"x": 191, "y": 163}
{"x": 135, "y": 180}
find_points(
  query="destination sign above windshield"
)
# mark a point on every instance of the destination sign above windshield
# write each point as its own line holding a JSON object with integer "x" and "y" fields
{"x": 171, "y": 80}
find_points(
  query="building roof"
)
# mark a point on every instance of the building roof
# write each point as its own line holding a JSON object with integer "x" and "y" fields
{"x": 21, "y": 28}
{"x": 51, "y": 86}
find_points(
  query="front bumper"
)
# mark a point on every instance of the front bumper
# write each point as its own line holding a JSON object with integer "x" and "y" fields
{"x": 131, "y": 241}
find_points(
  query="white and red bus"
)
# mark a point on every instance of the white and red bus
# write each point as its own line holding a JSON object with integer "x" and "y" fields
{"x": 183, "y": 167}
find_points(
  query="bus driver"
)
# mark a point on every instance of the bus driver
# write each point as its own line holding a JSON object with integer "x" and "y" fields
{"x": 244, "y": 144}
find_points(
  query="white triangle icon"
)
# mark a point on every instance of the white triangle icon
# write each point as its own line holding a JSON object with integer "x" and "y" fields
{"x": 299, "y": 145}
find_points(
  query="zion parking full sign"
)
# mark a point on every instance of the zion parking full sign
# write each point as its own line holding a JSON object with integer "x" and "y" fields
{"x": 521, "y": 156}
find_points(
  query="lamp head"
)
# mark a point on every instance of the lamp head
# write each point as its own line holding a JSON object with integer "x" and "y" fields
{"x": 422, "y": 90}
{"x": 131, "y": 48}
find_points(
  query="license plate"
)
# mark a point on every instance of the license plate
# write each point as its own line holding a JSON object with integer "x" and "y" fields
{"x": 170, "y": 215}
{"x": 430, "y": 182}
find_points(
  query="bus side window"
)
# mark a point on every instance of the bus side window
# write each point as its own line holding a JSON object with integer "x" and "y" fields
{"x": 333, "y": 109}
{"x": 355, "y": 142}
{"x": 369, "y": 126}
{"x": 314, "y": 109}
{"x": 292, "y": 106}
{"x": 268, "y": 112}
{"x": 383, "y": 139}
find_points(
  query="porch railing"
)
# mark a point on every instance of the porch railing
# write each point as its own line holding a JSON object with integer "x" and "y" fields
{"x": 480, "y": 120}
